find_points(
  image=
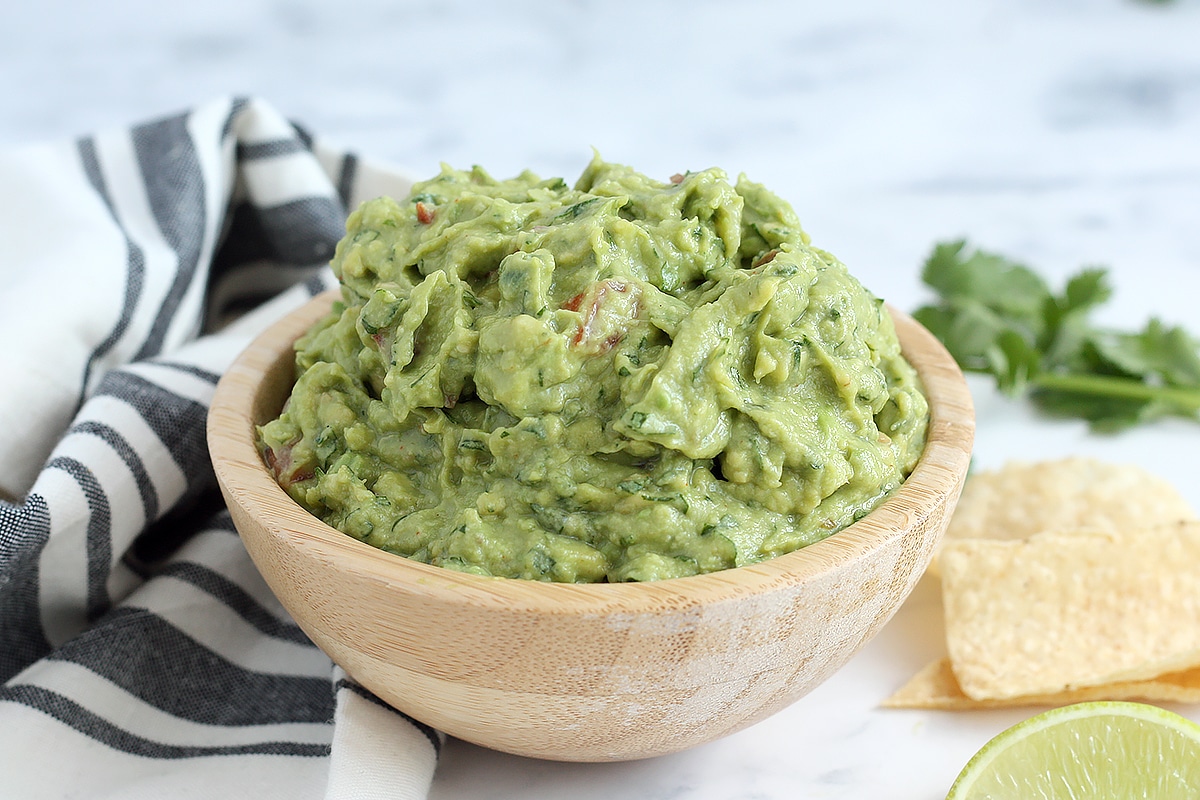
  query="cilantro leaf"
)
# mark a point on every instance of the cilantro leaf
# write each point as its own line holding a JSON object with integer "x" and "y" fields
{"x": 1105, "y": 414}
{"x": 1163, "y": 353}
{"x": 1013, "y": 361}
{"x": 1066, "y": 325}
{"x": 1004, "y": 286}
{"x": 983, "y": 296}
{"x": 999, "y": 317}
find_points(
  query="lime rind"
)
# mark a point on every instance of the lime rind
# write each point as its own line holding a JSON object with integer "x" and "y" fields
{"x": 1088, "y": 750}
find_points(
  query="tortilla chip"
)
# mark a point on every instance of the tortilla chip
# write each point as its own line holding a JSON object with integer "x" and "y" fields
{"x": 935, "y": 687}
{"x": 1064, "y": 610}
{"x": 1022, "y": 499}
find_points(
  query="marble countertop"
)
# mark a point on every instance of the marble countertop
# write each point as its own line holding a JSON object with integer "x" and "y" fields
{"x": 1059, "y": 132}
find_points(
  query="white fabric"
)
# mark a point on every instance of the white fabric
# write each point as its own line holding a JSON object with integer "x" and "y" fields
{"x": 141, "y": 654}
{"x": 363, "y": 762}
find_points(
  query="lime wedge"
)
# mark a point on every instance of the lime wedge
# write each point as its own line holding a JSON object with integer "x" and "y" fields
{"x": 1088, "y": 750}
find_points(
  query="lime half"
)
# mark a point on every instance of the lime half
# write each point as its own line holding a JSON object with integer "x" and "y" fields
{"x": 1088, "y": 750}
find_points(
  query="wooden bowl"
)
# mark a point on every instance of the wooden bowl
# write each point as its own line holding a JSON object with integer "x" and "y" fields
{"x": 584, "y": 672}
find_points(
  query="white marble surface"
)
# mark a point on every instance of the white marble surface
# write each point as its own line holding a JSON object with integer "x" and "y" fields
{"x": 1062, "y": 132}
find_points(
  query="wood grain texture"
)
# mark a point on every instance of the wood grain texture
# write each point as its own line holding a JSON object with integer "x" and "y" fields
{"x": 586, "y": 672}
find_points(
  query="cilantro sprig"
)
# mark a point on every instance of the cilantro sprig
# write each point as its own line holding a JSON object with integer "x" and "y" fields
{"x": 998, "y": 317}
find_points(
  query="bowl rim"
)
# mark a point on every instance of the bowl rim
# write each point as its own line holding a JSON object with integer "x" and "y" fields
{"x": 245, "y": 481}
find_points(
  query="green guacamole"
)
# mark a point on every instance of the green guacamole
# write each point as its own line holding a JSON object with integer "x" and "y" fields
{"x": 627, "y": 380}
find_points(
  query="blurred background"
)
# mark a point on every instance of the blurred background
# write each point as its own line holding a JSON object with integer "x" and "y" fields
{"x": 1061, "y": 132}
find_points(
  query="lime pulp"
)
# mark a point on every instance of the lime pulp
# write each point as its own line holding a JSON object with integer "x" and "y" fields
{"x": 1088, "y": 750}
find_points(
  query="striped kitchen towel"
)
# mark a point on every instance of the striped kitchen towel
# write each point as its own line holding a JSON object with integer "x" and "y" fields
{"x": 141, "y": 654}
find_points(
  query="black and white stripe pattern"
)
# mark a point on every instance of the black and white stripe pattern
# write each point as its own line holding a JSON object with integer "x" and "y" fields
{"x": 141, "y": 654}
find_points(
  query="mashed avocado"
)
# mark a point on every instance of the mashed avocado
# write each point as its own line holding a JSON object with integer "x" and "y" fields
{"x": 624, "y": 380}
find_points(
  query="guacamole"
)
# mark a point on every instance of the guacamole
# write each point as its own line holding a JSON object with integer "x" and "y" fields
{"x": 624, "y": 380}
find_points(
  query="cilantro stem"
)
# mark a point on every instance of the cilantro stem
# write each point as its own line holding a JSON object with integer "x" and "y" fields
{"x": 1117, "y": 386}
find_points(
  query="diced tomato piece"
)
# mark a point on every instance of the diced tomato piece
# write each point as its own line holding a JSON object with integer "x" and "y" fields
{"x": 280, "y": 462}
{"x": 765, "y": 258}
{"x": 607, "y": 307}
{"x": 573, "y": 303}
